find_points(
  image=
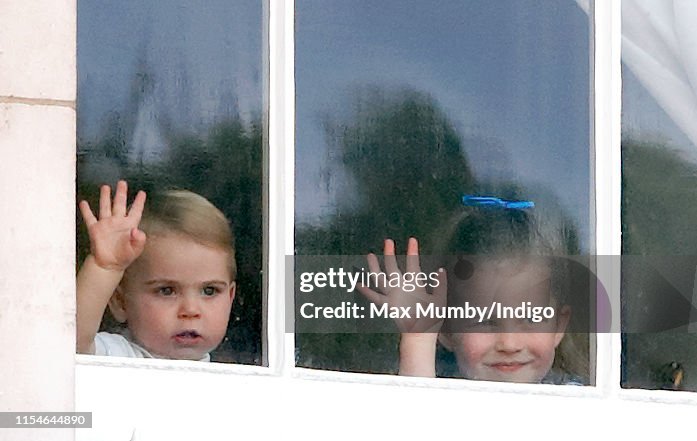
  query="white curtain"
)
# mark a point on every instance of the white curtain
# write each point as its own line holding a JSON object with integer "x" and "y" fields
{"x": 659, "y": 46}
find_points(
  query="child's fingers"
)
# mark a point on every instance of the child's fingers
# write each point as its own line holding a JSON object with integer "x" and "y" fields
{"x": 119, "y": 208}
{"x": 138, "y": 239}
{"x": 373, "y": 264}
{"x": 390, "y": 259}
{"x": 87, "y": 214}
{"x": 374, "y": 267}
{"x": 104, "y": 202}
{"x": 413, "y": 265}
{"x": 136, "y": 211}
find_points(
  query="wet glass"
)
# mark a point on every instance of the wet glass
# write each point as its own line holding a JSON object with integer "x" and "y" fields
{"x": 404, "y": 107}
{"x": 170, "y": 95}
{"x": 659, "y": 203}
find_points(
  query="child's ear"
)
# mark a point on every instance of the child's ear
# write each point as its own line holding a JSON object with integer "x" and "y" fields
{"x": 117, "y": 305}
{"x": 447, "y": 340}
{"x": 563, "y": 317}
{"x": 233, "y": 290}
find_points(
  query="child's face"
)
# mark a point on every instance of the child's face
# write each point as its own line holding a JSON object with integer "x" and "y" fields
{"x": 517, "y": 350}
{"x": 176, "y": 297}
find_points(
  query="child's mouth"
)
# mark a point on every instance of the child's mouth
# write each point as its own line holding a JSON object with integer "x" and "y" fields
{"x": 188, "y": 337}
{"x": 508, "y": 366}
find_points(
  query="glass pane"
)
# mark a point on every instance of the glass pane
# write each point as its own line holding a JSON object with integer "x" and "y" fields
{"x": 402, "y": 109}
{"x": 659, "y": 175}
{"x": 170, "y": 96}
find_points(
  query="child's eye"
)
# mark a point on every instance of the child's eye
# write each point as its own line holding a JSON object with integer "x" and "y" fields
{"x": 540, "y": 324}
{"x": 210, "y": 291}
{"x": 477, "y": 325}
{"x": 488, "y": 324}
{"x": 530, "y": 321}
{"x": 165, "y": 290}
{"x": 536, "y": 320}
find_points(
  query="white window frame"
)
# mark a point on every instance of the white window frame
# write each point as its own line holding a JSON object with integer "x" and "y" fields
{"x": 140, "y": 396}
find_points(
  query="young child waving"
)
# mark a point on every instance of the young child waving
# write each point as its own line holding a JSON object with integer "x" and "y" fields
{"x": 166, "y": 270}
{"x": 500, "y": 258}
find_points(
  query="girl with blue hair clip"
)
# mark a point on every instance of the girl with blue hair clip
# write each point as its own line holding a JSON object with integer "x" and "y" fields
{"x": 498, "y": 268}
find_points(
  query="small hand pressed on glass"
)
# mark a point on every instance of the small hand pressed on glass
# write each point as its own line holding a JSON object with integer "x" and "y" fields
{"x": 115, "y": 240}
{"x": 382, "y": 292}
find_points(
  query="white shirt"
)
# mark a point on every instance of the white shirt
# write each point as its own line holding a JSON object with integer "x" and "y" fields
{"x": 118, "y": 345}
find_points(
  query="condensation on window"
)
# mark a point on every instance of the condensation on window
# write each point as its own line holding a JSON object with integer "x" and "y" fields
{"x": 170, "y": 96}
{"x": 403, "y": 109}
{"x": 659, "y": 174}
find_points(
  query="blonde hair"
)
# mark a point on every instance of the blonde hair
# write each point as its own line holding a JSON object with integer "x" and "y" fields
{"x": 192, "y": 215}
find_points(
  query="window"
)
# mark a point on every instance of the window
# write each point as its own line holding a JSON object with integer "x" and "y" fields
{"x": 403, "y": 110}
{"x": 170, "y": 96}
{"x": 659, "y": 172}
{"x": 159, "y": 399}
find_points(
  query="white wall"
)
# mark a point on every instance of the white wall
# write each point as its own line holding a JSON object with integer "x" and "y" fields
{"x": 37, "y": 202}
{"x": 159, "y": 404}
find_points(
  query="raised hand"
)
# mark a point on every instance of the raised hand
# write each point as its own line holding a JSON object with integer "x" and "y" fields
{"x": 398, "y": 297}
{"x": 115, "y": 240}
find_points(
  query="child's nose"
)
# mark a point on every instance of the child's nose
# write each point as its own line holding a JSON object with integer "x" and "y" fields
{"x": 189, "y": 306}
{"x": 509, "y": 342}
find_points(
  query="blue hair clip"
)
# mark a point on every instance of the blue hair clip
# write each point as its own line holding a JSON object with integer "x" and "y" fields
{"x": 493, "y": 202}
